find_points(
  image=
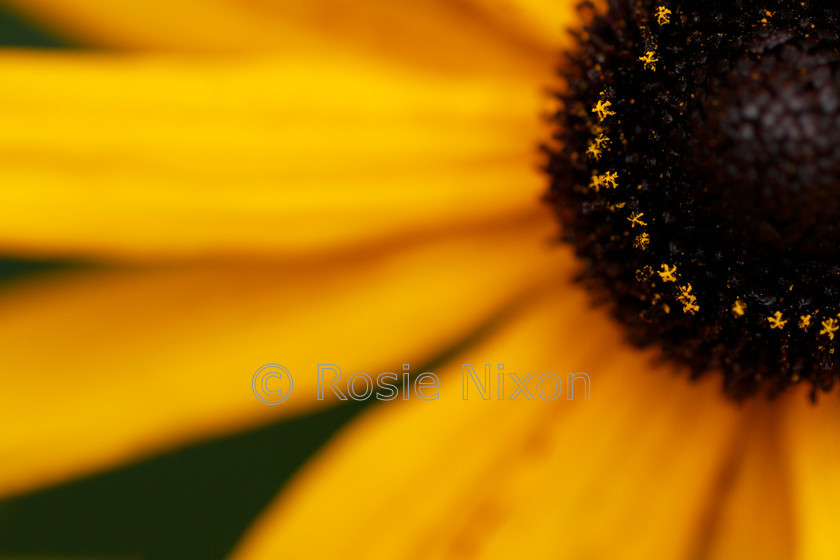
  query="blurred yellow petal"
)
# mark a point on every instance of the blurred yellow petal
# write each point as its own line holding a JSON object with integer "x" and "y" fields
{"x": 123, "y": 157}
{"x": 754, "y": 518}
{"x": 626, "y": 474}
{"x": 812, "y": 448}
{"x": 545, "y": 20}
{"x": 102, "y": 367}
{"x": 437, "y": 34}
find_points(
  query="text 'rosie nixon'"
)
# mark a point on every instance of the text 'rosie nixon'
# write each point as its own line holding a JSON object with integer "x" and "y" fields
{"x": 499, "y": 384}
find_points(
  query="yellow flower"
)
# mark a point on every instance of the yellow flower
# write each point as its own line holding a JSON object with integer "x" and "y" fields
{"x": 353, "y": 183}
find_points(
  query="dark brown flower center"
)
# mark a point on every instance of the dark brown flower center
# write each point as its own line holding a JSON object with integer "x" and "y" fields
{"x": 767, "y": 141}
{"x": 696, "y": 170}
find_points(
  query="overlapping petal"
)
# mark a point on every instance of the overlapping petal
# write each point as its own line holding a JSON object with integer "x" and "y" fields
{"x": 118, "y": 157}
{"x": 106, "y": 366}
{"x": 751, "y": 515}
{"x": 545, "y": 20}
{"x": 626, "y": 474}
{"x": 438, "y": 34}
{"x": 811, "y": 439}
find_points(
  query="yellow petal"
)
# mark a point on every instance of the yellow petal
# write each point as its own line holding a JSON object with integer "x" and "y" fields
{"x": 121, "y": 157}
{"x": 436, "y": 34}
{"x": 103, "y": 367}
{"x": 626, "y": 474}
{"x": 545, "y": 20}
{"x": 812, "y": 447}
{"x": 754, "y": 517}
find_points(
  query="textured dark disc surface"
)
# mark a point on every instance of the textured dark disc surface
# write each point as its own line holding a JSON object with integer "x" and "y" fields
{"x": 696, "y": 170}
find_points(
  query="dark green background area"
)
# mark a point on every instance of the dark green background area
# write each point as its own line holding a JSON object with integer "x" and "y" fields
{"x": 16, "y": 31}
{"x": 193, "y": 503}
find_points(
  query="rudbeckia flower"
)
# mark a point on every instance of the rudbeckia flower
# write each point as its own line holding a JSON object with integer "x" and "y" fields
{"x": 359, "y": 184}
